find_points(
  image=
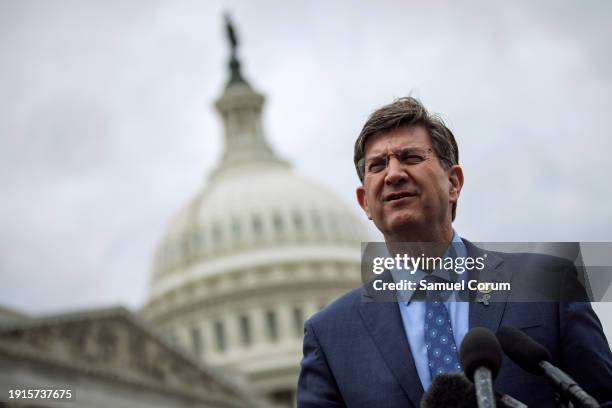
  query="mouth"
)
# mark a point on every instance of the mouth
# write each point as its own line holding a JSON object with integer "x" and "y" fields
{"x": 395, "y": 196}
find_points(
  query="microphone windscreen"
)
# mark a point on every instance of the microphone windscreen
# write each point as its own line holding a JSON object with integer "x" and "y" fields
{"x": 450, "y": 391}
{"x": 480, "y": 348}
{"x": 522, "y": 349}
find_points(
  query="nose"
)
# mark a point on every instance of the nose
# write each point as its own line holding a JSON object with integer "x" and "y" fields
{"x": 396, "y": 173}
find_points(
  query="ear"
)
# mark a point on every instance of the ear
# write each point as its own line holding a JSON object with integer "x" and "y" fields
{"x": 455, "y": 178}
{"x": 363, "y": 202}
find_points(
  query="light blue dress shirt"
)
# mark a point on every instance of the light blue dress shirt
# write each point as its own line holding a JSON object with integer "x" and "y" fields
{"x": 413, "y": 313}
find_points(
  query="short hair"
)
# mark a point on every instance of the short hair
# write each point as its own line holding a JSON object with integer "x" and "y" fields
{"x": 405, "y": 112}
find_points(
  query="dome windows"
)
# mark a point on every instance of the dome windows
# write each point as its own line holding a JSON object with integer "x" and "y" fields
{"x": 236, "y": 229}
{"x": 219, "y": 331}
{"x": 278, "y": 223}
{"x": 196, "y": 340}
{"x": 197, "y": 240}
{"x": 257, "y": 225}
{"x": 185, "y": 249}
{"x": 298, "y": 221}
{"x": 316, "y": 222}
{"x": 333, "y": 222}
{"x": 271, "y": 325}
{"x": 246, "y": 335}
{"x": 297, "y": 315}
{"x": 217, "y": 234}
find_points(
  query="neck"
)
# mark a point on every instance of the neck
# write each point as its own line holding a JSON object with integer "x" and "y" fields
{"x": 441, "y": 234}
{"x": 432, "y": 242}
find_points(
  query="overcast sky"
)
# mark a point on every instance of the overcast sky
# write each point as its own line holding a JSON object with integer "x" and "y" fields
{"x": 107, "y": 125}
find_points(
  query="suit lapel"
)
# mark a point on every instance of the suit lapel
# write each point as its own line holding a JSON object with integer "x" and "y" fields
{"x": 384, "y": 322}
{"x": 481, "y": 314}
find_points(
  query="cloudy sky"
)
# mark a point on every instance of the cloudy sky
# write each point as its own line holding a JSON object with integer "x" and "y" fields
{"x": 107, "y": 126}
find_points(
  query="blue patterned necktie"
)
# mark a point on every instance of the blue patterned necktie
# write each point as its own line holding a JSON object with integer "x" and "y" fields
{"x": 439, "y": 339}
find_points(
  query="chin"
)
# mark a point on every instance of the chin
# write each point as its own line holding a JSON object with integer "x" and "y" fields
{"x": 403, "y": 225}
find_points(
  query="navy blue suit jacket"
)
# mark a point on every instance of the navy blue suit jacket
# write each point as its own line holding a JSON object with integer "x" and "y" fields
{"x": 356, "y": 353}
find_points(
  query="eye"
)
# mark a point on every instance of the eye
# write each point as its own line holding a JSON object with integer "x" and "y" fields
{"x": 376, "y": 166}
{"x": 412, "y": 158}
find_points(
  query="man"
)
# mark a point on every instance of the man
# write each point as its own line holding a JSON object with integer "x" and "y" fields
{"x": 364, "y": 353}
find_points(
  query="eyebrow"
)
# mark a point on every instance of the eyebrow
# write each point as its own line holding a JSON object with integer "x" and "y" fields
{"x": 374, "y": 157}
{"x": 402, "y": 150}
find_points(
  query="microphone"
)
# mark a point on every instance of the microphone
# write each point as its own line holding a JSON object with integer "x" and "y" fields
{"x": 449, "y": 391}
{"x": 480, "y": 357}
{"x": 534, "y": 358}
{"x": 454, "y": 390}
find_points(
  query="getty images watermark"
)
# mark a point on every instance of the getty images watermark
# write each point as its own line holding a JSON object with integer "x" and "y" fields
{"x": 488, "y": 272}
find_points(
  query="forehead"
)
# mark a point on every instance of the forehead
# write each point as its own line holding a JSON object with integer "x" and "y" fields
{"x": 400, "y": 138}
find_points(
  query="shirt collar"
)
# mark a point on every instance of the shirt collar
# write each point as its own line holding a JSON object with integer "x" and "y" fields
{"x": 457, "y": 249}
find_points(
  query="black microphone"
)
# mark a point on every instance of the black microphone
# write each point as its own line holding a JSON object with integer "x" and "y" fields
{"x": 480, "y": 356}
{"x": 454, "y": 390}
{"x": 449, "y": 391}
{"x": 534, "y": 358}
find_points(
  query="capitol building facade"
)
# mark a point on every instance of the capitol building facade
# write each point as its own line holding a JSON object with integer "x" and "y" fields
{"x": 253, "y": 254}
{"x": 238, "y": 270}
{"x": 240, "y": 267}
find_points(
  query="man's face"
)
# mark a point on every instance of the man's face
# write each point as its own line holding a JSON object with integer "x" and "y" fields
{"x": 408, "y": 199}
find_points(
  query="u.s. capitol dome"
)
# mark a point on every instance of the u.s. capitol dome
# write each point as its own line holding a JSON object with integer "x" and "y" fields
{"x": 253, "y": 254}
